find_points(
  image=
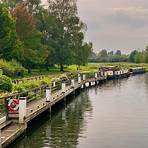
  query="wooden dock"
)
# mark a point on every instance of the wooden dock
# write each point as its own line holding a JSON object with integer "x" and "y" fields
{"x": 13, "y": 130}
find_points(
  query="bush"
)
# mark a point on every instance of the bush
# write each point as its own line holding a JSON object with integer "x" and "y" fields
{"x": 12, "y": 68}
{"x": 5, "y": 83}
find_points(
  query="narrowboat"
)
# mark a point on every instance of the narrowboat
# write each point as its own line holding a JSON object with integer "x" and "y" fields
{"x": 113, "y": 72}
{"x": 137, "y": 70}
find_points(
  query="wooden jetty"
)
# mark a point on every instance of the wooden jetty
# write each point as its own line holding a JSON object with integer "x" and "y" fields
{"x": 16, "y": 123}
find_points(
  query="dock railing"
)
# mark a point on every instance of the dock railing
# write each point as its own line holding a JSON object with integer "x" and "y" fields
{"x": 40, "y": 92}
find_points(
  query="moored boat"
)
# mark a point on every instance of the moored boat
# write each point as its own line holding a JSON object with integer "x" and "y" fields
{"x": 137, "y": 70}
{"x": 114, "y": 72}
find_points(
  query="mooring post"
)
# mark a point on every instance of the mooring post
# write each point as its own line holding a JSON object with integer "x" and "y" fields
{"x": 63, "y": 87}
{"x": 22, "y": 109}
{"x": 48, "y": 94}
{"x": 73, "y": 83}
{"x": 96, "y": 75}
{"x": 54, "y": 84}
{"x": 79, "y": 79}
{"x": 84, "y": 77}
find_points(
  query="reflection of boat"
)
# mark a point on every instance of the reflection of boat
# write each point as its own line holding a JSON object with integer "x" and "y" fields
{"x": 137, "y": 70}
{"x": 113, "y": 72}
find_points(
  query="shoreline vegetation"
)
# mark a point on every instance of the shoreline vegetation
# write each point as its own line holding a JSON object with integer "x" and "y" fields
{"x": 55, "y": 75}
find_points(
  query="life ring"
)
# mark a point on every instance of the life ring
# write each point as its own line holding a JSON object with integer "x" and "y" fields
{"x": 13, "y": 105}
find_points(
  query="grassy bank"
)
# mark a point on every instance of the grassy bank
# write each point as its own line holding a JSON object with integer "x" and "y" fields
{"x": 55, "y": 74}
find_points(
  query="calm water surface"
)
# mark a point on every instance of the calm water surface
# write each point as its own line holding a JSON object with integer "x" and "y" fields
{"x": 114, "y": 115}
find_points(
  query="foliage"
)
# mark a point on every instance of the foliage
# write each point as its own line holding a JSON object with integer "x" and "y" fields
{"x": 139, "y": 56}
{"x": 11, "y": 68}
{"x": 8, "y": 38}
{"x": 104, "y": 56}
{"x": 5, "y": 83}
{"x": 38, "y": 37}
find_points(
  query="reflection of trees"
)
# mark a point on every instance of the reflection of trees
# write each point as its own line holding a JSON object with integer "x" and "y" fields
{"x": 63, "y": 130}
{"x": 65, "y": 127}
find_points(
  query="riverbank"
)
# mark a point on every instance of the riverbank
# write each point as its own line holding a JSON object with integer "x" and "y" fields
{"x": 44, "y": 102}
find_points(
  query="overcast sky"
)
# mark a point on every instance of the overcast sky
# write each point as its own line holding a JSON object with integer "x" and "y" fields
{"x": 115, "y": 24}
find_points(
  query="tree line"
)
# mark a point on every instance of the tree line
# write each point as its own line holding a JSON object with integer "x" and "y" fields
{"x": 39, "y": 36}
{"x": 136, "y": 56}
{"x": 139, "y": 56}
{"x": 105, "y": 56}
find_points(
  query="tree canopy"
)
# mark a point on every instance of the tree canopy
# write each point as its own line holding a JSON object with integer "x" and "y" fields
{"x": 39, "y": 37}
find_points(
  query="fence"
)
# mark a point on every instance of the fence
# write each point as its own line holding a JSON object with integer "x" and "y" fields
{"x": 39, "y": 92}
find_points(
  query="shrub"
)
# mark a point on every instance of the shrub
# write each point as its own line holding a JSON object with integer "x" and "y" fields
{"x": 5, "y": 83}
{"x": 12, "y": 68}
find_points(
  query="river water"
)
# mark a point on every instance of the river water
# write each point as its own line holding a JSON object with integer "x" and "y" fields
{"x": 112, "y": 115}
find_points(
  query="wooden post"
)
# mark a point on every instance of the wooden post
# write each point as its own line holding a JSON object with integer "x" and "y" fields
{"x": 73, "y": 83}
{"x": 22, "y": 109}
{"x": 79, "y": 79}
{"x": 63, "y": 87}
{"x": 48, "y": 94}
{"x": 84, "y": 77}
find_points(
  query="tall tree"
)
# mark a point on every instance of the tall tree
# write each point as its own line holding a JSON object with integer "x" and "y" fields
{"x": 8, "y": 36}
{"x": 65, "y": 12}
{"x": 33, "y": 49}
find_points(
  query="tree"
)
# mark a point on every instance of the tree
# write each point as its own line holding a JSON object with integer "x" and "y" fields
{"x": 140, "y": 57}
{"x": 25, "y": 23}
{"x": 132, "y": 56}
{"x": 103, "y": 53}
{"x": 65, "y": 12}
{"x": 34, "y": 52}
{"x": 118, "y": 53}
{"x": 8, "y": 37}
{"x": 111, "y": 53}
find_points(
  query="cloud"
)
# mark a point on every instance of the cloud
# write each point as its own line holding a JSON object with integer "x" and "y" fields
{"x": 116, "y": 24}
{"x": 132, "y": 17}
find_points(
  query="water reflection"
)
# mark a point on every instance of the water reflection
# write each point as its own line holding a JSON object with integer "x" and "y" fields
{"x": 64, "y": 128}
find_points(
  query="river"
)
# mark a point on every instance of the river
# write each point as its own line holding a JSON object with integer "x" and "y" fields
{"x": 112, "y": 115}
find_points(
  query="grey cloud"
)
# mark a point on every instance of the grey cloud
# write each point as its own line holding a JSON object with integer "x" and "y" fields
{"x": 131, "y": 17}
